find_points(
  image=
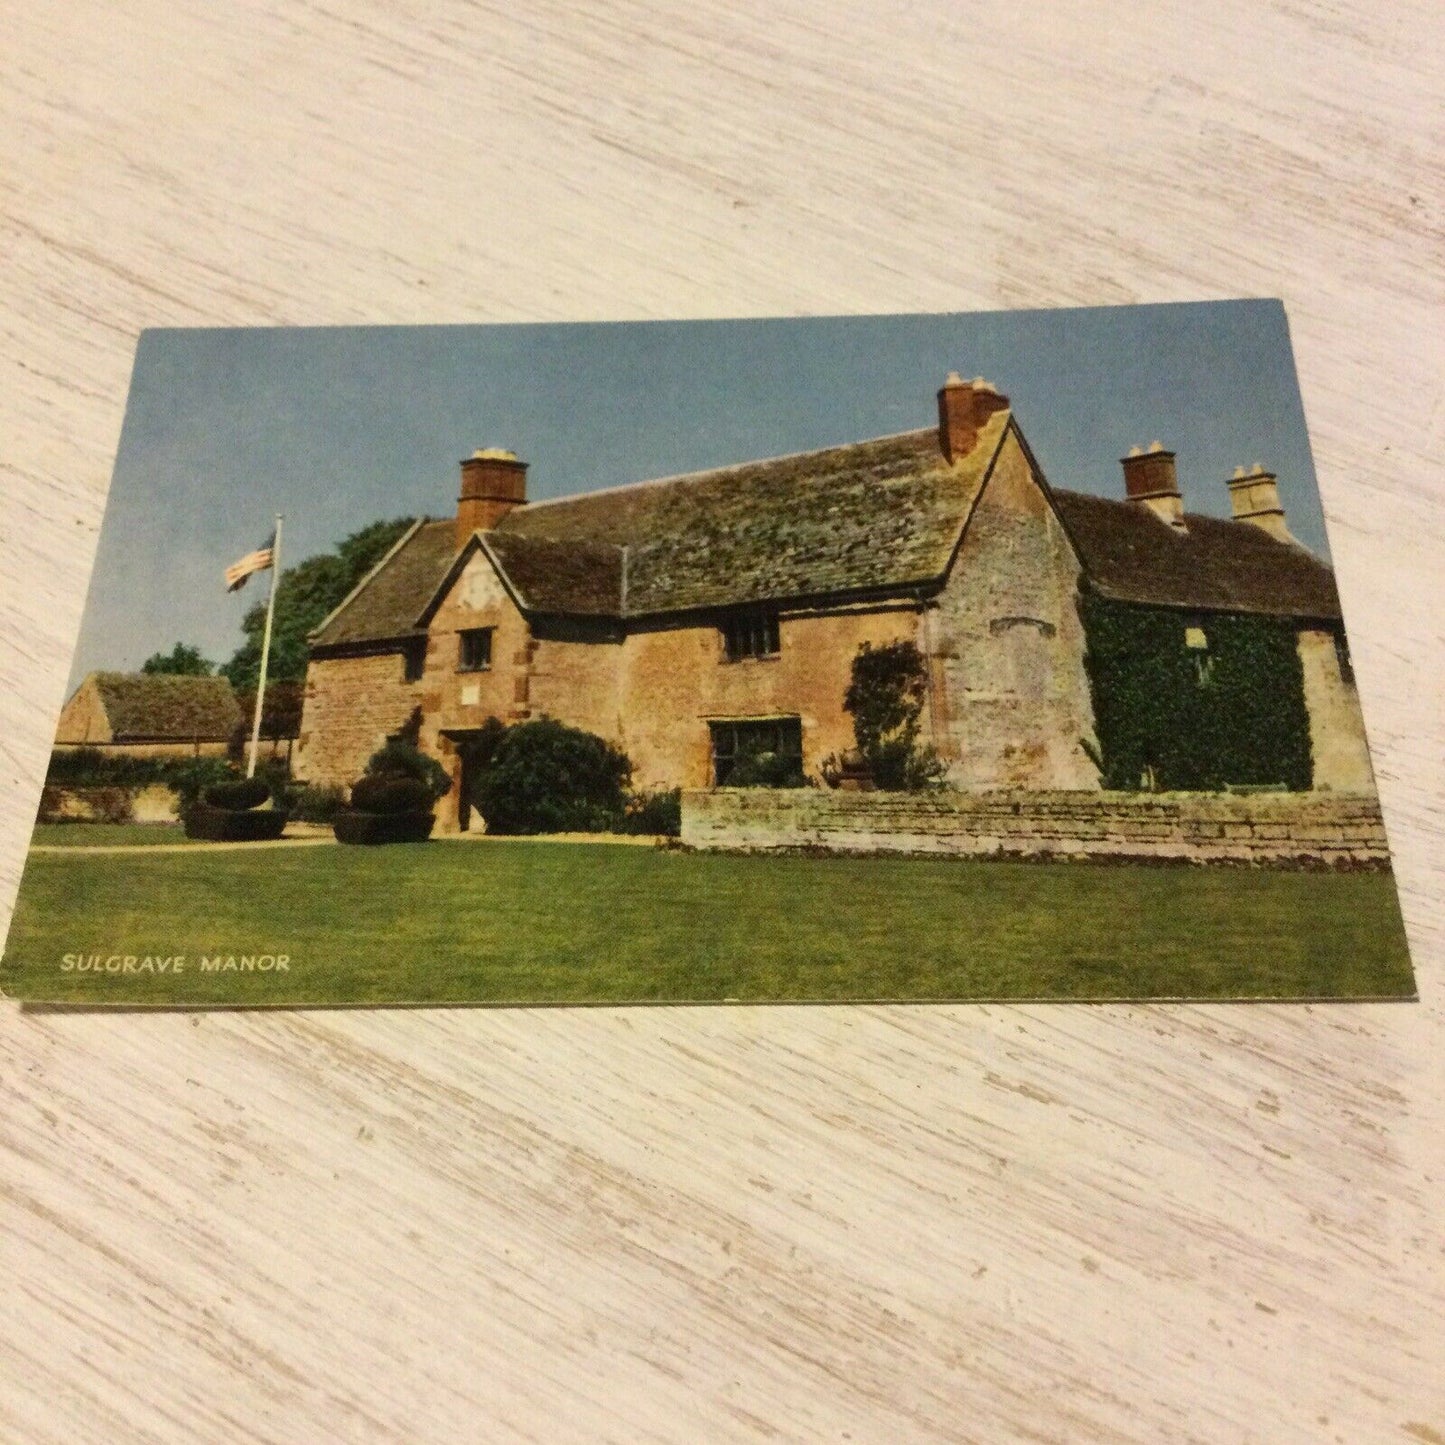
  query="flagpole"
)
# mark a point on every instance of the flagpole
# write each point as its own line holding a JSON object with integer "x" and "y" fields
{"x": 265, "y": 648}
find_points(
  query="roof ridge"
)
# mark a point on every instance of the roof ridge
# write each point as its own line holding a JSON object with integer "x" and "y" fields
{"x": 723, "y": 470}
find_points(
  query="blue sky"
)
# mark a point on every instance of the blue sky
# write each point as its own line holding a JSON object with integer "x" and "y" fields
{"x": 337, "y": 426}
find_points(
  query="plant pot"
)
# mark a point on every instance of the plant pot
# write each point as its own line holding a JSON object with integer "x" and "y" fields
{"x": 228, "y": 825}
{"x": 351, "y": 826}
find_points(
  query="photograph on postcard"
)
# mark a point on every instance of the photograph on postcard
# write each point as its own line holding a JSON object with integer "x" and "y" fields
{"x": 926, "y": 657}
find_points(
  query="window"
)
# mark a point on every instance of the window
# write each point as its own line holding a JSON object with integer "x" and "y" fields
{"x": 1197, "y": 641}
{"x": 413, "y": 659}
{"x": 475, "y": 651}
{"x": 779, "y": 737}
{"x": 750, "y": 634}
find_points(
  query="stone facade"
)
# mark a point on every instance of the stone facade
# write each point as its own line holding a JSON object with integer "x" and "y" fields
{"x": 1010, "y": 698}
{"x": 1297, "y": 829}
{"x": 609, "y": 611}
{"x": 1338, "y": 748}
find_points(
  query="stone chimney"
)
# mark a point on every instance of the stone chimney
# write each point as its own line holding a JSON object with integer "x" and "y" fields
{"x": 963, "y": 408}
{"x": 1254, "y": 495}
{"x": 493, "y": 482}
{"x": 1150, "y": 481}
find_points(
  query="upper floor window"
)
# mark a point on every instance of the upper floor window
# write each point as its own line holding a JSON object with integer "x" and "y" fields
{"x": 413, "y": 659}
{"x": 751, "y": 634}
{"x": 475, "y": 650}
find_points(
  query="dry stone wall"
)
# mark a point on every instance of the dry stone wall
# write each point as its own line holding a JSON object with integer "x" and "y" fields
{"x": 1282, "y": 829}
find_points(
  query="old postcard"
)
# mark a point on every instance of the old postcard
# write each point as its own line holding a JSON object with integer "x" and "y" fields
{"x": 988, "y": 656}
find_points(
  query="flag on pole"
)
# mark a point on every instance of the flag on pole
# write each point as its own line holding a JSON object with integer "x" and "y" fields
{"x": 257, "y": 561}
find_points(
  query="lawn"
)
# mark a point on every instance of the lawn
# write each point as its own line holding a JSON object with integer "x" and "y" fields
{"x": 524, "y": 921}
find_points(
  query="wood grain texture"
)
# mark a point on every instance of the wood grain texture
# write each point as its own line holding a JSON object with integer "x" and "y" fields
{"x": 934, "y": 1223}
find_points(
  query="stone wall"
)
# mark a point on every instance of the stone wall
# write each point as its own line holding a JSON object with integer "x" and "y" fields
{"x": 351, "y": 706}
{"x": 1272, "y": 828}
{"x": 152, "y": 803}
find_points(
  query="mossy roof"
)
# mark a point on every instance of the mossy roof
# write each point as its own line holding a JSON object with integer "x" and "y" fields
{"x": 1212, "y": 565}
{"x": 868, "y": 518}
{"x": 163, "y": 707}
{"x": 384, "y": 605}
{"x": 876, "y": 515}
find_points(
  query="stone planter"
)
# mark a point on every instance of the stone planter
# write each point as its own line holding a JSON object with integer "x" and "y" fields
{"x": 230, "y": 825}
{"x": 351, "y": 826}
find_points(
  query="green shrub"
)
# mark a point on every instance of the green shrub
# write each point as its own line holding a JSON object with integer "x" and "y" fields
{"x": 315, "y": 803}
{"x": 653, "y": 814}
{"x": 190, "y": 777}
{"x": 546, "y": 777}
{"x": 375, "y": 794}
{"x": 885, "y": 696}
{"x": 239, "y": 795}
{"x": 91, "y": 768}
{"x": 401, "y": 759}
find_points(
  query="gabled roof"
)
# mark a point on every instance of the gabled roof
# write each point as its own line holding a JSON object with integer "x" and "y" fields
{"x": 872, "y": 515}
{"x": 166, "y": 707}
{"x": 1213, "y": 565}
{"x": 865, "y": 519}
{"x": 384, "y": 604}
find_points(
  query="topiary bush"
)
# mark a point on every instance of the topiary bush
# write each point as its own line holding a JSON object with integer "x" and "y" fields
{"x": 391, "y": 795}
{"x": 392, "y": 801}
{"x": 238, "y": 795}
{"x": 546, "y": 777}
{"x": 230, "y": 825}
{"x": 402, "y": 759}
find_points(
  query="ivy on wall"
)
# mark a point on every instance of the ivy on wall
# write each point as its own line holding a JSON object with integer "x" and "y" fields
{"x": 1174, "y": 716}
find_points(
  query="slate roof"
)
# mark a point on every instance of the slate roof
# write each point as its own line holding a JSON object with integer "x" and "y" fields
{"x": 873, "y": 516}
{"x": 165, "y": 708}
{"x": 1212, "y": 566}
{"x": 385, "y": 604}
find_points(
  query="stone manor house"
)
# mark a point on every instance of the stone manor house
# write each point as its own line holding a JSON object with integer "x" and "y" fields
{"x": 692, "y": 618}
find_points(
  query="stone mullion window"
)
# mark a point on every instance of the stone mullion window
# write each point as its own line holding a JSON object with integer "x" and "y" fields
{"x": 751, "y": 634}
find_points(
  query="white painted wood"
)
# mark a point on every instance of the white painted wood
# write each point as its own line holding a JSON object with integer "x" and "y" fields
{"x": 982, "y": 1224}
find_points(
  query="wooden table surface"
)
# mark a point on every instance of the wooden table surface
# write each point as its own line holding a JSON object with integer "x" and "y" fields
{"x": 986, "y": 1224}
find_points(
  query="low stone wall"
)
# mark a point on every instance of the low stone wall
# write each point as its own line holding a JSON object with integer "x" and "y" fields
{"x": 1279, "y": 829}
{"x": 153, "y": 803}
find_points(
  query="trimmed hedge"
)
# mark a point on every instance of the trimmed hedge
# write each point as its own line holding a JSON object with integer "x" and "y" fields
{"x": 370, "y": 829}
{"x": 239, "y": 795}
{"x": 390, "y": 795}
{"x": 1178, "y": 718}
{"x": 226, "y": 825}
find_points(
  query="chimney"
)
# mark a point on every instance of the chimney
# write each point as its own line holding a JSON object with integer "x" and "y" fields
{"x": 963, "y": 408}
{"x": 1254, "y": 495}
{"x": 1150, "y": 481}
{"x": 493, "y": 482}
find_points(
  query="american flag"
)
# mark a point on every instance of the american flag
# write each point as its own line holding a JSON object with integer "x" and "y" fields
{"x": 257, "y": 561}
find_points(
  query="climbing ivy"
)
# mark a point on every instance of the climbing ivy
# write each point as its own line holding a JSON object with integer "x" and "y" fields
{"x": 1169, "y": 716}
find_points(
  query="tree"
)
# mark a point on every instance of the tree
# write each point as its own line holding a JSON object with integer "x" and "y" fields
{"x": 305, "y": 595}
{"x": 182, "y": 660}
{"x": 885, "y": 697}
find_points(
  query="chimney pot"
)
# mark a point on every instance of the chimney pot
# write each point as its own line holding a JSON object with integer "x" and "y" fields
{"x": 1150, "y": 481}
{"x": 1254, "y": 498}
{"x": 493, "y": 483}
{"x": 963, "y": 408}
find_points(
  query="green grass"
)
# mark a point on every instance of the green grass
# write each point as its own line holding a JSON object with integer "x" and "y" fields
{"x": 106, "y": 835}
{"x": 546, "y": 922}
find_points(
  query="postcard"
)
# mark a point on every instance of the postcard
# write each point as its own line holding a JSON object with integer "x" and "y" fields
{"x": 922, "y": 657}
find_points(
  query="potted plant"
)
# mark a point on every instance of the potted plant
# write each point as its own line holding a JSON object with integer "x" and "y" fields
{"x": 232, "y": 812}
